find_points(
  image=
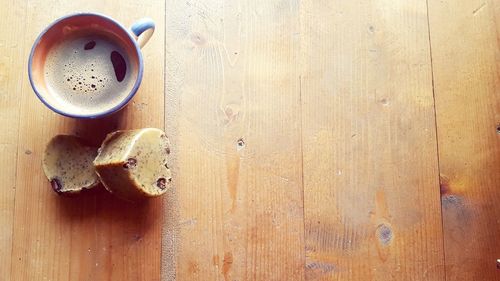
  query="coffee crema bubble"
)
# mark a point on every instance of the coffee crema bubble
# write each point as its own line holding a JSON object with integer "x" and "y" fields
{"x": 88, "y": 73}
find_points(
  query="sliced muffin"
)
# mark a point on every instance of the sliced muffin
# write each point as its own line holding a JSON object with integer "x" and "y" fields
{"x": 68, "y": 164}
{"x": 133, "y": 164}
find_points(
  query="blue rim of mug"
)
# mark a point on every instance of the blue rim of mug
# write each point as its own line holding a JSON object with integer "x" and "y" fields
{"x": 93, "y": 115}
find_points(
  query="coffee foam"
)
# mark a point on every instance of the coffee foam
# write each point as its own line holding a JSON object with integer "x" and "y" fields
{"x": 83, "y": 80}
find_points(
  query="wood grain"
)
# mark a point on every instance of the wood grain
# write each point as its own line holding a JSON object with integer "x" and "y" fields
{"x": 304, "y": 145}
{"x": 371, "y": 191}
{"x": 93, "y": 236}
{"x": 466, "y": 55}
{"x": 233, "y": 117}
{"x": 11, "y": 27}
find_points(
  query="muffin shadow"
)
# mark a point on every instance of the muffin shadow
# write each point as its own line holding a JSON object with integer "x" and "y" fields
{"x": 97, "y": 205}
{"x": 95, "y": 130}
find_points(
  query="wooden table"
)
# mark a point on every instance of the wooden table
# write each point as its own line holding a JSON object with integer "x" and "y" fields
{"x": 312, "y": 140}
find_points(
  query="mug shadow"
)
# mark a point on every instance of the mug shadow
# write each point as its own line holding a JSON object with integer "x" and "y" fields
{"x": 95, "y": 130}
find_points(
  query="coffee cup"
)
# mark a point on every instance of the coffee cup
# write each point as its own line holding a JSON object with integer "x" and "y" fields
{"x": 87, "y": 65}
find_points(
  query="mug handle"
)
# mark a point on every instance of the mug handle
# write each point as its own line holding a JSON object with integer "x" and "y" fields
{"x": 143, "y": 30}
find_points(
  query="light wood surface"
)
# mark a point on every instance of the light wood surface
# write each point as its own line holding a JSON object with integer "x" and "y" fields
{"x": 233, "y": 95}
{"x": 466, "y": 63}
{"x": 11, "y": 52}
{"x": 311, "y": 140}
{"x": 371, "y": 196}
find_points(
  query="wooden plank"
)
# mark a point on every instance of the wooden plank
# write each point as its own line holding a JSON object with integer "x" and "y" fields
{"x": 233, "y": 117}
{"x": 465, "y": 55}
{"x": 93, "y": 236}
{"x": 371, "y": 191}
{"x": 11, "y": 28}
